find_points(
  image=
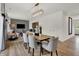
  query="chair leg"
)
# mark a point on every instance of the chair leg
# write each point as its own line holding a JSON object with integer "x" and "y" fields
{"x": 25, "y": 45}
{"x": 51, "y": 53}
{"x": 42, "y": 50}
{"x": 56, "y": 53}
{"x": 33, "y": 52}
{"x": 29, "y": 50}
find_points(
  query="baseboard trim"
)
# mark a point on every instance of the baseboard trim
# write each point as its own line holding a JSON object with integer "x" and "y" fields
{"x": 67, "y": 38}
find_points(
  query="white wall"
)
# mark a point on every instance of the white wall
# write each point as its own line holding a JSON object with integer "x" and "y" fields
{"x": 16, "y": 15}
{"x": 76, "y": 26}
{"x": 0, "y": 7}
{"x": 54, "y": 24}
{"x": 65, "y": 27}
{"x": 8, "y": 25}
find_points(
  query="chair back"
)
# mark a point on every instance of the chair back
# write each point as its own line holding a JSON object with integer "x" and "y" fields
{"x": 25, "y": 38}
{"x": 52, "y": 45}
{"x": 17, "y": 34}
{"x": 55, "y": 43}
{"x": 32, "y": 42}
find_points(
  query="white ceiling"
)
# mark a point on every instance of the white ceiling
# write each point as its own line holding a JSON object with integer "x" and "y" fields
{"x": 25, "y": 8}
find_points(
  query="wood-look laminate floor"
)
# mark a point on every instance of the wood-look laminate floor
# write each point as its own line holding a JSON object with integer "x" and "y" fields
{"x": 69, "y": 47}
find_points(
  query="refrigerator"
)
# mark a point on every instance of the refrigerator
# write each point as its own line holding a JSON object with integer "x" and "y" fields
{"x": 2, "y": 40}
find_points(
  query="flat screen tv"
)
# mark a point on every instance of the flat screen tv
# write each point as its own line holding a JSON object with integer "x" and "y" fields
{"x": 20, "y": 26}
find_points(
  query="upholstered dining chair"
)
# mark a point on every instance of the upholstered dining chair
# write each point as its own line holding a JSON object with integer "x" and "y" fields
{"x": 25, "y": 39}
{"x": 51, "y": 45}
{"x": 17, "y": 34}
{"x": 32, "y": 43}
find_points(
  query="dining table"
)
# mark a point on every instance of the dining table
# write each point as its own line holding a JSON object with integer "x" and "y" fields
{"x": 40, "y": 38}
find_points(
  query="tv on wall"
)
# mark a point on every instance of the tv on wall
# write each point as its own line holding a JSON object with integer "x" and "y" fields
{"x": 20, "y": 26}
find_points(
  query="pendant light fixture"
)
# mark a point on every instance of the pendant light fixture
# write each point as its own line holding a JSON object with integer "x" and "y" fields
{"x": 37, "y": 10}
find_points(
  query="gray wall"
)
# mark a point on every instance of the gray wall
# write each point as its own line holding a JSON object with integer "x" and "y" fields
{"x": 26, "y": 22}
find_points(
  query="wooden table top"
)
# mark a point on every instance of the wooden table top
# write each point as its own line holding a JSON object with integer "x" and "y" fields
{"x": 41, "y": 37}
{"x": 10, "y": 33}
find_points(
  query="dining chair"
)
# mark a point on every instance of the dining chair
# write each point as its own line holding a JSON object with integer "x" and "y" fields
{"x": 25, "y": 39}
{"x": 32, "y": 43}
{"x": 17, "y": 34}
{"x": 51, "y": 45}
{"x": 8, "y": 35}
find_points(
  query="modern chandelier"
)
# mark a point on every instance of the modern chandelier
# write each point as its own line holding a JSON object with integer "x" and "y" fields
{"x": 37, "y": 10}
